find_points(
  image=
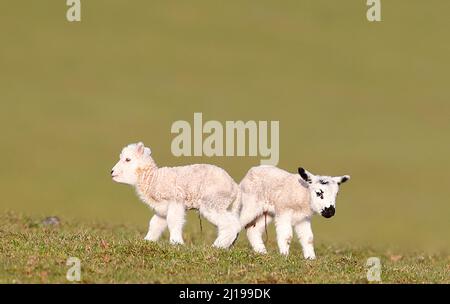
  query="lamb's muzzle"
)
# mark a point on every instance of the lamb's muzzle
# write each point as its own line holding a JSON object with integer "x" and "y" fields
{"x": 328, "y": 212}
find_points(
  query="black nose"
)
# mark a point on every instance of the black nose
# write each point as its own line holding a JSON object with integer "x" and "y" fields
{"x": 112, "y": 172}
{"x": 328, "y": 212}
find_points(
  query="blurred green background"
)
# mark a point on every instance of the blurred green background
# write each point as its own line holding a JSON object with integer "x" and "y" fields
{"x": 352, "y": 97}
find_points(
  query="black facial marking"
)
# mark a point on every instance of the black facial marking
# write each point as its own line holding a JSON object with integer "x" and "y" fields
{"x": 319, "y": 193}
{"x": 323, "y": 182}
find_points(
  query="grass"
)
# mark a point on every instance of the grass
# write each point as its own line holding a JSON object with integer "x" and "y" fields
{"x": 31, "y": 252}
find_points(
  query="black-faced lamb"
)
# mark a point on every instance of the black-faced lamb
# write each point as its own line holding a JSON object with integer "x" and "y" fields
{"x": 292, "y": 199}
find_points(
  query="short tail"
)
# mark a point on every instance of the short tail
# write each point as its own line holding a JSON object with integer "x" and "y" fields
{"x": 237, "y": 203}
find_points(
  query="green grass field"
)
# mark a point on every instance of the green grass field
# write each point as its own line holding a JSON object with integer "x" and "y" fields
{"x": 370, "y": 100}
{"x": 33, "y": 253}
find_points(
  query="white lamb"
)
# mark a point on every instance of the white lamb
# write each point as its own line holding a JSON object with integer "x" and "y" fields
{"x": 171, "y": 191}
{"x": 292, "y": 199}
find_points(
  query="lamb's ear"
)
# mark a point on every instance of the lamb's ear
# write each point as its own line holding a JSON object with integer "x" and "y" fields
{"x": 147, "y": 151}
{"x": 341, "y": 179}
{"x": 140, "y": 148}
{"x": 305, "y": 175}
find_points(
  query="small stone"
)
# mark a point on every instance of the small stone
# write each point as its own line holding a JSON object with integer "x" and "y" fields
{"x": 51, "y": 221}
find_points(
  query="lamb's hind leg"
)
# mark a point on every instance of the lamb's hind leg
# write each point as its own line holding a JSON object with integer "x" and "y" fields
{"x": 255, "y": 231}
{"x": 227, "y": 225}
{"x": 283, "y": 224}
{"x": 175, "y": 221}
{"x": 156, "y": 227}
{"x": 251, "y": 209}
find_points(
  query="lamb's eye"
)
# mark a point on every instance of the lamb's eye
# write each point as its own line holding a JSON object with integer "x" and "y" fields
{"x": 128, "y": 160}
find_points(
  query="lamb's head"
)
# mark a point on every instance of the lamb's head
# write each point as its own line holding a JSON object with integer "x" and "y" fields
{"x": 324, "y": 190}
{"x": 133, "y": 157}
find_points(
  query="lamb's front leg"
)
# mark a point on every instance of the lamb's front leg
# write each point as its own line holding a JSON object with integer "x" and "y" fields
{"x": 305, "y": 235}
{"x": 156, "y": 227}
{"x": 175, "y": 221}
